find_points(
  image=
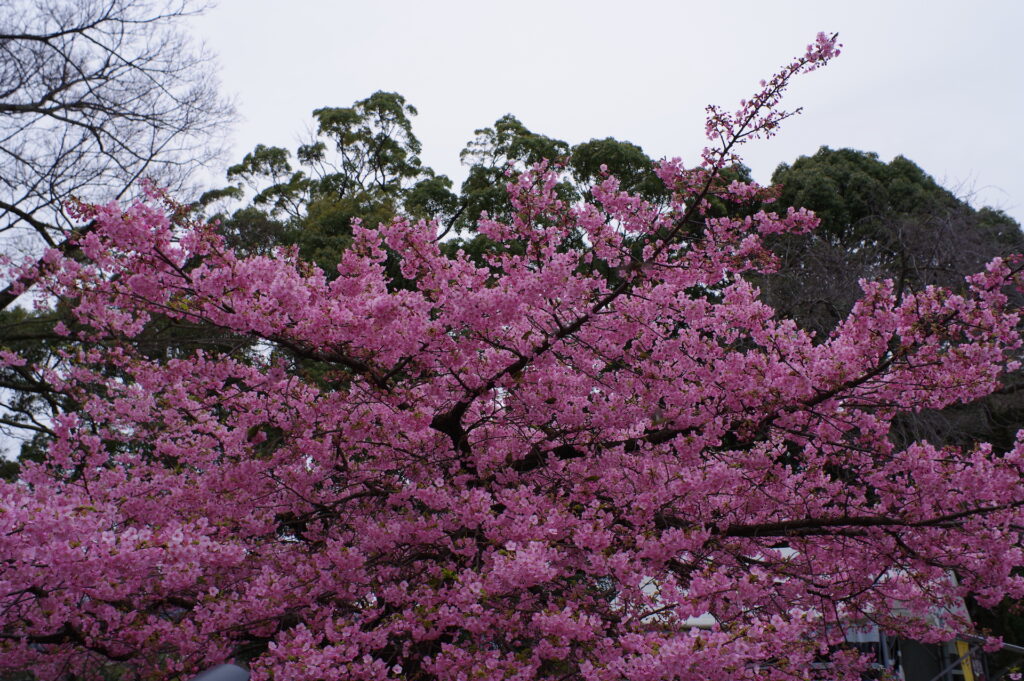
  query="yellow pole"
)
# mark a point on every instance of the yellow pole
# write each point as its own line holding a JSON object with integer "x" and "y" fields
{"x": 963, "y": 649}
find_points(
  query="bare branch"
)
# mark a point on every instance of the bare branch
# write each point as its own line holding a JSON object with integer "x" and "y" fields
{"x": 94, "y": 95}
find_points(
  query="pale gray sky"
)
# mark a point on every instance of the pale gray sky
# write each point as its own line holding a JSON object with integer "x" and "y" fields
{"x": 939, "y": 81}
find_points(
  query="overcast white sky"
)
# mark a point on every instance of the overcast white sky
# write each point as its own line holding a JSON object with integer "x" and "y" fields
{"x": 940, "y": 82}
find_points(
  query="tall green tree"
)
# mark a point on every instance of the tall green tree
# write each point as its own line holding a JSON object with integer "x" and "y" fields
{"x": 634, "y": 169}
{"x": 508, "y": 145}
{"x": 363, "y": 164}
{"x": 878, "y": 220}
{"x": 495, "y": 150}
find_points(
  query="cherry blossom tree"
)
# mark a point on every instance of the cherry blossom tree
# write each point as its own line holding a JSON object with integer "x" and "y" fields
{"x": 540, "y": 463}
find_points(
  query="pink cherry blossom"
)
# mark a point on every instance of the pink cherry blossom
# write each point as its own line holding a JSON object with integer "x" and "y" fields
{"x": 538, "y": 467}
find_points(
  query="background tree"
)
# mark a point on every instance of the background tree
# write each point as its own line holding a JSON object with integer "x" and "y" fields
{"x": 591, "y": 161}
{"x": 363, "y": 164}
{"x": 878, "y": 220}
{"x": 508, "y": 145}
{"x": 94, "y": 96}
{"x": 499, "y": 152}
